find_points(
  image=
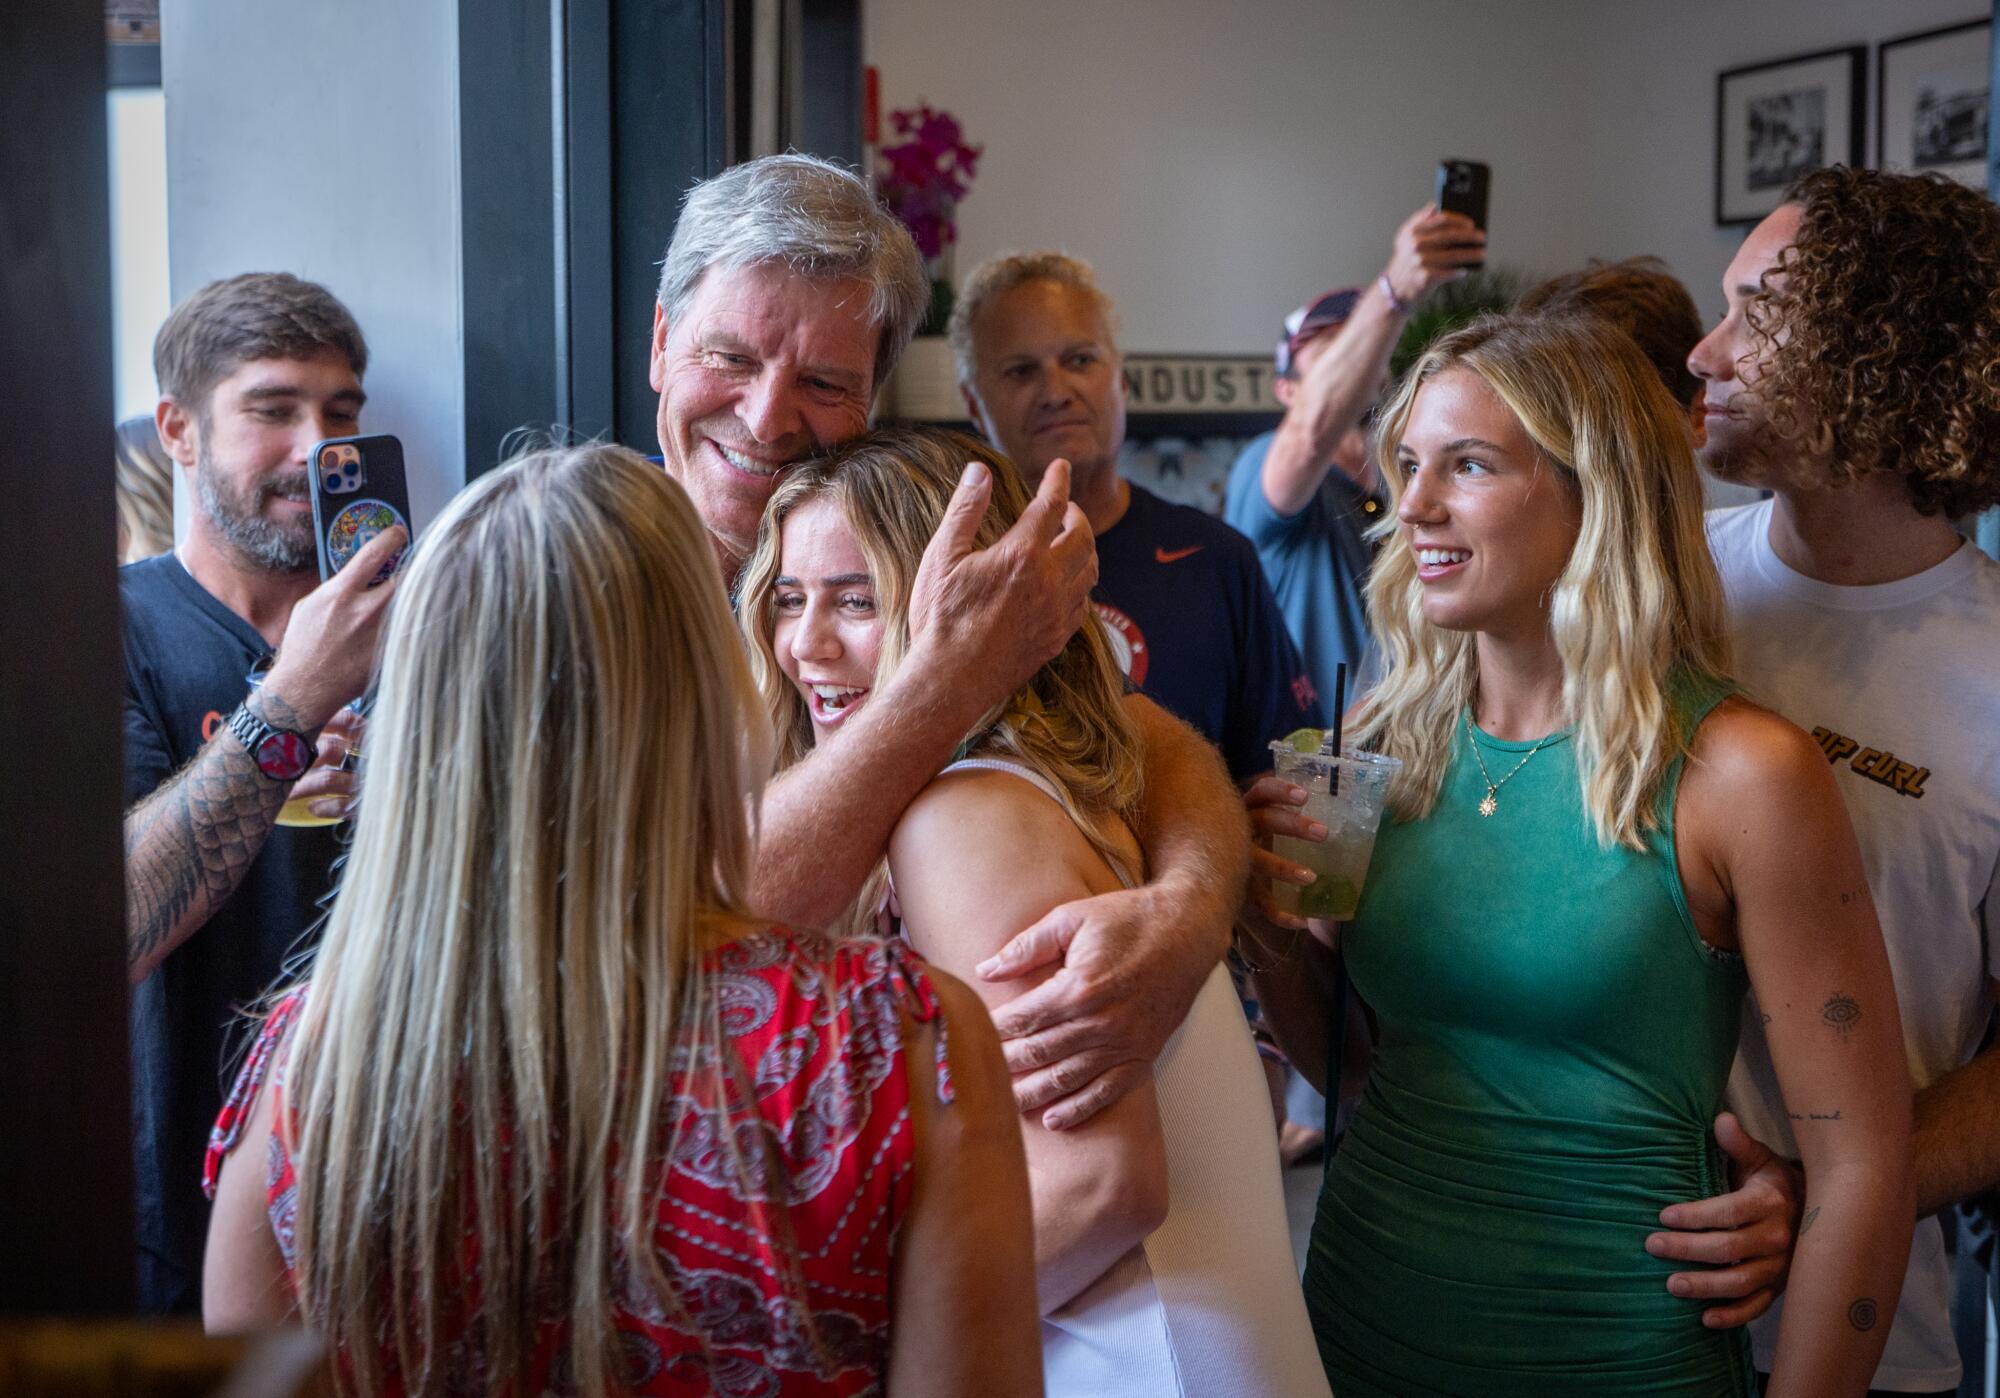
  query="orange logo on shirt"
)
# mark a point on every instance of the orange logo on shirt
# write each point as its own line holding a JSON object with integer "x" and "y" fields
{"x": 1879, "y": 766}
{"x": 1161, "y": 555}
{"x": 209, "y": 723}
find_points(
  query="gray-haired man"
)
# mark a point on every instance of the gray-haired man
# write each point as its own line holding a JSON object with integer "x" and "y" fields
{"x": 786, "y": 298}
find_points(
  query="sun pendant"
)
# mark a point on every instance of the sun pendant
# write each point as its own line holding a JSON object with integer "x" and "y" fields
{"x": 1488, "y": 803}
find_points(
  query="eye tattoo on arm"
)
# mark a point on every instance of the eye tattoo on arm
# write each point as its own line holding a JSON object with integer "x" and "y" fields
{"x": 1841, "y": 1012}
{"x": 1861, "y": 1315}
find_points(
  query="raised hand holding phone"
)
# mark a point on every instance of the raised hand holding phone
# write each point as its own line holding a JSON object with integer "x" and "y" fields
{"x": 1432, "y": 247}
{"x": 328, "y": 652}
{"x": 1462, "y": 187}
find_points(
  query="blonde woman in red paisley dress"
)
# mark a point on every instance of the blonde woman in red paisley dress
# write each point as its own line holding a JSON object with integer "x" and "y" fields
{"x": 555, "y": 1113}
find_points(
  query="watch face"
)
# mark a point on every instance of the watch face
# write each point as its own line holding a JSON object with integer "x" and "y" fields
{"x": 284, "y": 756}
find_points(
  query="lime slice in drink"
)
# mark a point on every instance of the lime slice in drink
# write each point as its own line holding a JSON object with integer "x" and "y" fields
{"x": 1305, "y": 739}
{"x": 1329, "y": 897}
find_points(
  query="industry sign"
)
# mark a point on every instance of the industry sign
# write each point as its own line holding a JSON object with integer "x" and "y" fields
{"x": 1200, "y": 383}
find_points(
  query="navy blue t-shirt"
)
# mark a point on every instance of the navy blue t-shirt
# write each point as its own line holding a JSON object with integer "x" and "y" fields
{"x": 1196, "y": 629}
{"x": 186, "y": 659}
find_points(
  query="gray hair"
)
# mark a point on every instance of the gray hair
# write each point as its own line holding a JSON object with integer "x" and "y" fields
{"x": 814, "y": 216}
{"x": 998, "y": 275}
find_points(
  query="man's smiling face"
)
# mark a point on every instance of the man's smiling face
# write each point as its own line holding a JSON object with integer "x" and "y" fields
{"x": 762, "y": 369}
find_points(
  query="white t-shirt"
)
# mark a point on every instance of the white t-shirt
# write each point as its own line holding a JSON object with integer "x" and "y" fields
{"x": 1900, "y": 684}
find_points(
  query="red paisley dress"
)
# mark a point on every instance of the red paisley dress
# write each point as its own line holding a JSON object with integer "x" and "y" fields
{"x": 817, "y": 1029}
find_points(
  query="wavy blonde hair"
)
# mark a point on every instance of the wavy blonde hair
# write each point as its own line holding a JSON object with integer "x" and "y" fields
{"x": 1638, "y": 603}
{"x": 1067, "y": 723}
{"x": 562, "y": 762}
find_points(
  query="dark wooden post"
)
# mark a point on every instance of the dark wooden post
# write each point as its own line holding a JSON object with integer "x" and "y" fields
{"x": 65, "y": 1165}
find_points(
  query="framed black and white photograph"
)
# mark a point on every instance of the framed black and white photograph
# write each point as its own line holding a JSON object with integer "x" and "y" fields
{"x": 1931, "y": 93}
{"x": 1779, "y": 120}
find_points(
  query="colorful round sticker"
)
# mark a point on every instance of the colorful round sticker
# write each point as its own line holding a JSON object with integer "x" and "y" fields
{"x": 355, "y": 525}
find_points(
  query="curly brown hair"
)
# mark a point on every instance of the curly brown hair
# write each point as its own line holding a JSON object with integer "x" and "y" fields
{"x": 1882, "y": 350}
{"x": 1642, "y": 298}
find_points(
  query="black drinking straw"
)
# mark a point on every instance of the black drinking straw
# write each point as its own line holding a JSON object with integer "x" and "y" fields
{"x": 1339, "y": 714}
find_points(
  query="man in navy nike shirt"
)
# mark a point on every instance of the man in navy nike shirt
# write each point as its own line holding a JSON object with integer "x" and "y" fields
{"x": 1190, "y": 615}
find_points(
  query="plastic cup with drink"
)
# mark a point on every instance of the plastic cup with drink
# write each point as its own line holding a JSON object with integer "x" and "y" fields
{"x": 1346, "y": 794}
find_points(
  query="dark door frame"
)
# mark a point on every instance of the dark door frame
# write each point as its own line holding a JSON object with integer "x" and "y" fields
{"x": 66, "y": 1168}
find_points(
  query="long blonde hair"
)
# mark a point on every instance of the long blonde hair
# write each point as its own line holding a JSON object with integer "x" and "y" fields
{"x": 562, "y": 761}
{"x": 1638, "y": 602}
{"x": 1067, "y": 723}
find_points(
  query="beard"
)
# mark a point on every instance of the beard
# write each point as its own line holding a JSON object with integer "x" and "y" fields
{"x": 1733, "y": 464}
{"x": 1753, "y": 453}
{"x": 1742, "y": 448}
{"x": 239, "y": 515}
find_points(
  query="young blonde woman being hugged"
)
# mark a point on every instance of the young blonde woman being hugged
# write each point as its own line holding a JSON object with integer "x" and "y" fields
{"x": 1162, "y": 1260}
{"x": 554, "y": 1112}
{"x": 1596, "y": 846}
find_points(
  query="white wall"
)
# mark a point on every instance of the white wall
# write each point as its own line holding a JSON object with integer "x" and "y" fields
{"x": 350, "y": 183}
{"x": 1219, "y": 164}
{"x": 1651, "y": 157}
{"x": 140, "y": 298}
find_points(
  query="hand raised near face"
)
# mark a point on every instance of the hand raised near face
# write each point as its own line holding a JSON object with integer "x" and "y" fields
{"x": 986, "y": 619}
{"x": 329, "y": 648}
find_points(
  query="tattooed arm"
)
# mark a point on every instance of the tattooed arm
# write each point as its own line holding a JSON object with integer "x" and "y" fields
{"x": 1759, "y": 815}
{"x": 189, "y": 844}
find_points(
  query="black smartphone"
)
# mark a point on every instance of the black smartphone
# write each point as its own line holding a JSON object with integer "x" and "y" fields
{"x": 1461, "y": 189}
{"x": 358, "y": 490}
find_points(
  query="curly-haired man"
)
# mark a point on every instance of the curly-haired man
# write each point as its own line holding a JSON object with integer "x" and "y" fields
{"x": 1857, "y": 376}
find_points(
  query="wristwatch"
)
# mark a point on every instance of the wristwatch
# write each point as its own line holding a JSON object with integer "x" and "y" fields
{"x": 279, "y": 753}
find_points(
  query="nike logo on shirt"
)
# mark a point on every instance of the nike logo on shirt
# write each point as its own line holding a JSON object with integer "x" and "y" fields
{"x": 1161, "y": 555}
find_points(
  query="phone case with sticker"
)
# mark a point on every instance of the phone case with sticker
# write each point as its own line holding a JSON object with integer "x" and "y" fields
{"x": 358, "y": 489}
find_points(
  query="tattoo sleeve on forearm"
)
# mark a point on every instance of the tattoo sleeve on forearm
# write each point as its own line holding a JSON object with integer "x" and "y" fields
{"x": 188, "y": 845}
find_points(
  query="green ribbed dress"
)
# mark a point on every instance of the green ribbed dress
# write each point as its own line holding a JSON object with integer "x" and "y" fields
{"x": 1553, "y": 1042}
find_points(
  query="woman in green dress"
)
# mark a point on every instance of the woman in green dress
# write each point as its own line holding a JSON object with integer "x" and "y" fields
{"x": 1595, "y": 847}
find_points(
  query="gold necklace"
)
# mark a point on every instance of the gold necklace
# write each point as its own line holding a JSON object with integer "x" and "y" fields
{"x": 1490, "y": 802}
